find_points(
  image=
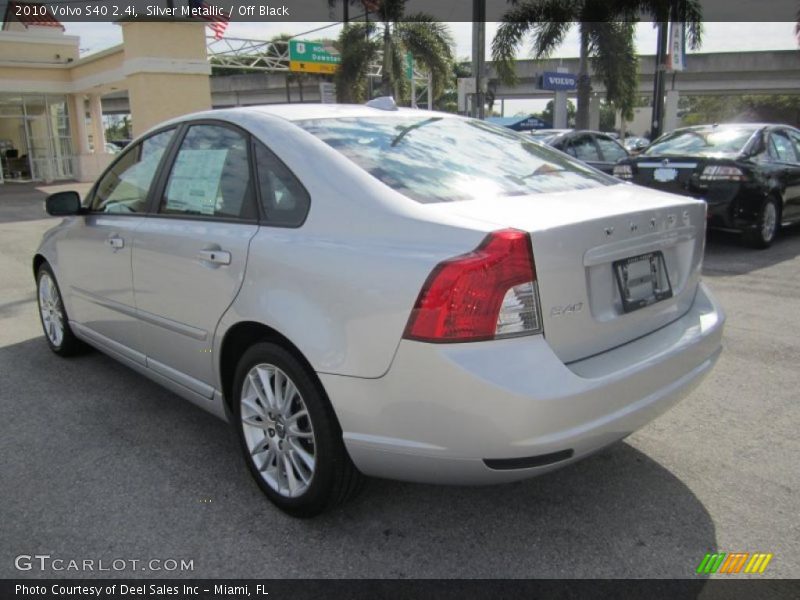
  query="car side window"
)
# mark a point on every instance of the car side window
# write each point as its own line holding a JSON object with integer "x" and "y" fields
{"x": 584, "y": 148}
{"x": 124, "y": 188}
{"x": 780, "y": 147}
{"x": 210, "y": 176}
{"x": 283, "y": 198}
{"x": 612, "y": 152}
{"x": 795, "y": 137}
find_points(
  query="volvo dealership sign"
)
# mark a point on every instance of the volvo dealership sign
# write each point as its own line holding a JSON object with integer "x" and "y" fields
{"x": 559, "y": 82}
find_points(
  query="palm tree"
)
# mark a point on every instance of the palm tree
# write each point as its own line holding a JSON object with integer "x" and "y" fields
{"x": 358, "y": 49}
{"x": 607, "y": 34}
{"x": 394, "y": 33}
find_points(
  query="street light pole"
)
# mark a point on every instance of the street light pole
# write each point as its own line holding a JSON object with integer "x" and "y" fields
{"x": 478, "y": 55}
{"x": 657, "y": 124}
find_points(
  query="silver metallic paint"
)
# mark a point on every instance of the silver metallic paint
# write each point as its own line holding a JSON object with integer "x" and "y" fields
{"x": 341, "y": 288}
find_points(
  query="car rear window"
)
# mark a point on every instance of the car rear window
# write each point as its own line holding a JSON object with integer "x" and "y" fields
{"x": 444, "y": 159}
{"x": 706, "y": 141}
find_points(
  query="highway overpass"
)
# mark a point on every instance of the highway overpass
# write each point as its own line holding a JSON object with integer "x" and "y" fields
{"x": 713, "y": 73}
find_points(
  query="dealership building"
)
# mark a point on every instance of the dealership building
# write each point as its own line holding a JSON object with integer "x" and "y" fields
{"x": 51, "y": 125}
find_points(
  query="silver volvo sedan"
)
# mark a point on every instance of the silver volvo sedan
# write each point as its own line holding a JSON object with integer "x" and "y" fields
{"x": 366, "y": 290}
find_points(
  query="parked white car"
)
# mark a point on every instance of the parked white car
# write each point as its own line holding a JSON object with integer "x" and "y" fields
{"x": 395, "y": 293}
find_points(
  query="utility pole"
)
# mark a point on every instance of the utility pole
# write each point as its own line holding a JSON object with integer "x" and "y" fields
{"x": 657, "y": 123}
{"x": 478, "y": 55}
{"x": 366, "y": 37}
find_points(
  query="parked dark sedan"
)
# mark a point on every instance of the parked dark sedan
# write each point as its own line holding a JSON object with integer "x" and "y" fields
{"x": 597, "y": 149}
{"x": 749, "y": 174}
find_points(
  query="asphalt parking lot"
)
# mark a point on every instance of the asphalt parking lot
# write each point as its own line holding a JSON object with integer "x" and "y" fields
{"x": 97, "y": 462}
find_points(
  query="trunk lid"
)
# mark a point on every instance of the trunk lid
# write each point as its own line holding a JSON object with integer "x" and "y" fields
{"x": 675, "y": 174}
{"x": 577, "y": 237}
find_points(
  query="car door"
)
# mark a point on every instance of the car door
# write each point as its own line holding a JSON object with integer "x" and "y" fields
{"x": 95, "y": 258}
{"x": 792, "y": 174}
{"x": 611, "y": 152}
{"x": 189, "y": 257}
{"x": 583, "y": 147}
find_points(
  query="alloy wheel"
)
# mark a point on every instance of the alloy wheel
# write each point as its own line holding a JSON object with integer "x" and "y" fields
{"x": 51, "y": 311}
{"x": 769, "y": 222}
{"x": 277, "y": 430}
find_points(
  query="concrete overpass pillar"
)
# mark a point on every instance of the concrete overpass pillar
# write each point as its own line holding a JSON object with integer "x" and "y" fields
{"x": 560, "y": 106}
{"x": 594, "y": 112}
{"x": 671, "y": 111}
{"x": 560, "y": 111}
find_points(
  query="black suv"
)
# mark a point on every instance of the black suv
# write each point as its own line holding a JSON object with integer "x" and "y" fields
{"x": 749, "y": 174}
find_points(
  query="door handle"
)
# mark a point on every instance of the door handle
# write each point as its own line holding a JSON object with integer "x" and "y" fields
{"x": 116, "y": 242}
{"x": 218, "y": 257}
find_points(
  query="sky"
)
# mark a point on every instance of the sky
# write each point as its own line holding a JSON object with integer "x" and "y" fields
{"x": 717, "y": 37}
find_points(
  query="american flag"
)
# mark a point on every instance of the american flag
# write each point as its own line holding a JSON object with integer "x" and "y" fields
{"x": 371, "y": 6}
{"x": 217, "y": 24}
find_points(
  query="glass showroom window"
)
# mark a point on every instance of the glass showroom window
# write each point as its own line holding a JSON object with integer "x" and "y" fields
{"x": 35, "y": 137}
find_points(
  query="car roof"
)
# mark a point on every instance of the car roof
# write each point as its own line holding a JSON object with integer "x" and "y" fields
{"x": 709, "y": 127}
{"x": 549, "y": 131}
{"x": 593, "y": 131}
{"x": 302, "y": 112}
{"x": 566, "y": 131}
{"x": 294, "y": 112}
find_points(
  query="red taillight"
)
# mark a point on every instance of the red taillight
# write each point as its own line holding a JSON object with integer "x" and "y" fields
{"x": 484, "y": 294}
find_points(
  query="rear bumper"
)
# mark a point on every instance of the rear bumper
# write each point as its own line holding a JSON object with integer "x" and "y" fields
{"x": 442, "y": 410}
{"x": 732, "y": 206}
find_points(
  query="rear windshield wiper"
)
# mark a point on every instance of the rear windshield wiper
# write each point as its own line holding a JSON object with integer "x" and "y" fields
{"x": 544, "y": 169}
{"x": 411, "y": 128}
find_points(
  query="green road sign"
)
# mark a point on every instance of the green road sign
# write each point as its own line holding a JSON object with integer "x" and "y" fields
{"x": 313, "y": 57}
{"x": 409, "y": 66}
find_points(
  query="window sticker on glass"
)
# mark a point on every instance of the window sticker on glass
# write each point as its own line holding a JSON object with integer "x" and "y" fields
{"x": 195, "y": 181}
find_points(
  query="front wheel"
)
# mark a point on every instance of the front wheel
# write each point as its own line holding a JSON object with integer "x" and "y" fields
{"x": 767, "y": 225}
{"x": 53, "y": 316}
{"x": 288, "y": 433}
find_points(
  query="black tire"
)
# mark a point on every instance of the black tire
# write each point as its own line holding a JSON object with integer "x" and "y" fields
{"x": 69, "y": 345}
{"x": 762, "y": 237}
{"x": 334, "y": 478}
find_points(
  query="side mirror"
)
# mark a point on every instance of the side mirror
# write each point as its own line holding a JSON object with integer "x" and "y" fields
{"x": 63, "y": 204}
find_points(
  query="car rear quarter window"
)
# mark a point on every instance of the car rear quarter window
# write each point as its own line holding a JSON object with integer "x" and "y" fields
{"x": 781, "y": 147}
{"x": 210, "y": 176}
{"x": 284, "y": 200}
{"x": 442, "y": 159}
{"x": 795, "y": 137}
{"x": 125, "y": 186}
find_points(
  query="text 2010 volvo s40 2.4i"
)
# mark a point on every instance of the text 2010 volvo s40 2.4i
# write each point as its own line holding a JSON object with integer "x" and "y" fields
{"x": 363, "y": 290}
